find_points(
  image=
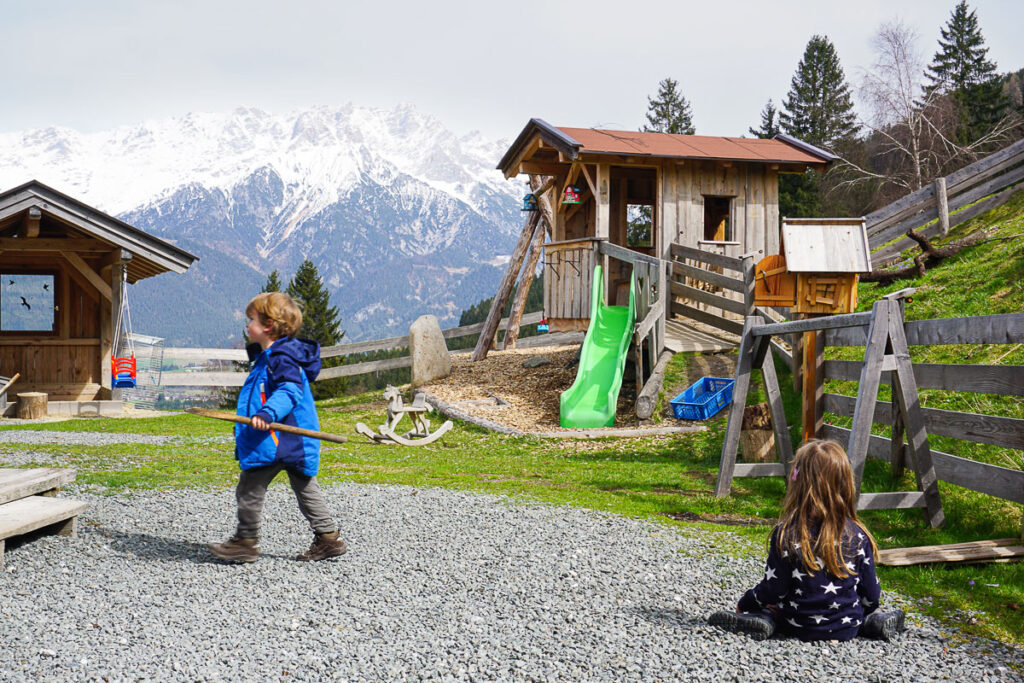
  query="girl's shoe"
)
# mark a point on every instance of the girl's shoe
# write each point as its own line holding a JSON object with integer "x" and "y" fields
{"x": 756, "y": 625}
{"x": 236, "y": 549}
{"x": 883, "y": 625}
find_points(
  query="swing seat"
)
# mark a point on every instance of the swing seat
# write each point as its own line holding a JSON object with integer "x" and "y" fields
{"x": 123, "y": 371}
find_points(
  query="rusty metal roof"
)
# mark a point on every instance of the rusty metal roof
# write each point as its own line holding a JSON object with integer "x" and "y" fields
{"x": 633, "y": 143}
{"x": 575, "y": 141}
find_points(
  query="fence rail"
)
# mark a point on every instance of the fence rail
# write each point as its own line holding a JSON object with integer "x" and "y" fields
{"x": 237, "y": 378}
{"x": 949, "y": 201}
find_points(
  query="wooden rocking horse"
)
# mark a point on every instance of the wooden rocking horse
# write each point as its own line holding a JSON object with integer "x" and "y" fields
{"x": 419, "y": 435}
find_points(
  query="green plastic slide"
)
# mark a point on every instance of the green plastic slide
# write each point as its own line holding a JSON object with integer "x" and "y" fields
{"x": 591, "y": 400}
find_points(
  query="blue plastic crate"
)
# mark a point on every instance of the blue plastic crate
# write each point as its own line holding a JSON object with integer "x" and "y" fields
{"x": 702, "y": 400}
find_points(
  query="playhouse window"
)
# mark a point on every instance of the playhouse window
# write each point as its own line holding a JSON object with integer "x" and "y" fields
{"x": 28, "y": 302}
{"x": 639, "y": 225}
{"x": 717, "y": 226}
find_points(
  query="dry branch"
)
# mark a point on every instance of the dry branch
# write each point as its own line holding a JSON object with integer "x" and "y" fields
{"x": 929, "y": 256}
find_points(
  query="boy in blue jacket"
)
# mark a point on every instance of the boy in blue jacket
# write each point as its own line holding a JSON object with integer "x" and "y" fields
{"x": 277, "y": 390}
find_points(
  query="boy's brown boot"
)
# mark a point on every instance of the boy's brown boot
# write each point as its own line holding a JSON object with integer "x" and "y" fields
{"x": 236, "y": 549}
{"x": 323, "y": 547}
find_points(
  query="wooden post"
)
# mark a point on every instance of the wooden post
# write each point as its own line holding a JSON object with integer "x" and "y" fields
{"x": 897, "y": 453}
{"x": 867, "y": 389}
{"x": 483, "y": 345}
{"x": 752, "y": 349}
{"x": 783, "y": 445}
{"x": 813, "y": 383}
{"x": 515, "y": 316}
{"x": 942, "y": 205}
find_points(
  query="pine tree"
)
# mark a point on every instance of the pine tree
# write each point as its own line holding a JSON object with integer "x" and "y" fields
{"x": 819, "y": 108}
{"x": 962, "y": 70}
{"x": 961, "y": 60}
{"x": 769, "y": 123}
{"x": 320, "y": 320}
{"x": 273, "y": 283}
{"x": 670, "y": 111}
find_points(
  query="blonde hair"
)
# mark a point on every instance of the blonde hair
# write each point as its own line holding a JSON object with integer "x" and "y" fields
{"x": 276, "y": 311}
{"x": 821, "y": 495}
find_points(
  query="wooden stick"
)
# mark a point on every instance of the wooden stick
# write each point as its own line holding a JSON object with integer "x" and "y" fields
{"x": 218, "y": 415}
{"x": 7, "y": 386}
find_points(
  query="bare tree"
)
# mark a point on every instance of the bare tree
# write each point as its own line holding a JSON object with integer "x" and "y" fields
{"x": 912, "y": 130}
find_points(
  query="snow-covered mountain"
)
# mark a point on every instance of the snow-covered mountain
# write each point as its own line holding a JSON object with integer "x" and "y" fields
{"x": 401, "y": 216}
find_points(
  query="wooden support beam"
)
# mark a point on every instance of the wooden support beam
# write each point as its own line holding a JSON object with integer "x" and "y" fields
{"x": 647, "y": 399}
{"x": 602, "y": 227}
{"x": 526, "y": 279}
{"x": 31, "y": 222}
{"x": 88, "y": 273}
{"x": 82, "y": 246}
{"x": 483, "y": 344}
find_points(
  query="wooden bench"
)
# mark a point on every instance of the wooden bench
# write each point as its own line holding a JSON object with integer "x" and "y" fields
{"x": 27, "y": 503}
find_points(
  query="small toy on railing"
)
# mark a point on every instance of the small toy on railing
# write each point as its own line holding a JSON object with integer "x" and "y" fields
{"x": 542, "y": 326}
{"x": 419, "y": 435}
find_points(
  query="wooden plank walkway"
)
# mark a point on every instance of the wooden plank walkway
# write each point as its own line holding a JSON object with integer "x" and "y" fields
{"x": 27, "y": 503}
{"x": 682, "y": 336}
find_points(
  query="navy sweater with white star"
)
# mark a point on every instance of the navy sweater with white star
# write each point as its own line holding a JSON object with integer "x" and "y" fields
{"x": 818, "y": 605}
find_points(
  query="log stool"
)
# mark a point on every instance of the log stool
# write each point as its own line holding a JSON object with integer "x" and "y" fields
{"x": 31, "y": 404}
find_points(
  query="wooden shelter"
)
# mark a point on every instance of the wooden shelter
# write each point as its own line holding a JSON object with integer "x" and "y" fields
{"x": 646, "y": 192}
{"x": 63, "y": 265}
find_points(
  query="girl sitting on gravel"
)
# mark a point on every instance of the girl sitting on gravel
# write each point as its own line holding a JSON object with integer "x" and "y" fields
{"x": 819, "y": 581}
{"x": 277, "y": 390}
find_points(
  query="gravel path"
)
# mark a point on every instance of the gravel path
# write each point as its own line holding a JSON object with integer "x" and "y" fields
{"x": 437, "y": 585}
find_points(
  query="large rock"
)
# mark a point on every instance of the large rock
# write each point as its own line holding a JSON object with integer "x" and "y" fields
{"x": 430, "y": 359}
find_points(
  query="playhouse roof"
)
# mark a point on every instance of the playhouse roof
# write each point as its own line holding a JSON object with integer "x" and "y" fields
{"x": 571, "y": 143}
{"x": 150, "y": 255}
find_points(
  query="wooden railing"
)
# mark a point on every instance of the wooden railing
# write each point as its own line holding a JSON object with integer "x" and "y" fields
{"x": 946, "y": 201}
{"x": 237, "y": 378}
{"x": 651, "y": 307}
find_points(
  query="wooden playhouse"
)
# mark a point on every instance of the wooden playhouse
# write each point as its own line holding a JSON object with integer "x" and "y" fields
{"x": 646, "y": 192}
{"x": 63, "y": 265}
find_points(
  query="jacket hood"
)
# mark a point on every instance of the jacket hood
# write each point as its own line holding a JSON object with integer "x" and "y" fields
{"x": 305, "y": 353}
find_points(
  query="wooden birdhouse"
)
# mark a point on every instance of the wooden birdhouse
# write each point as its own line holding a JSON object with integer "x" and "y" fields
{"x": 571, "y": 195}
{"x": 825, "y": 255}
{"x": 530, "y": 202}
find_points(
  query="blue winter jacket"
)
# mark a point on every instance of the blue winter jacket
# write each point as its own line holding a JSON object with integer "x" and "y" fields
{"x": 277, "y": 390}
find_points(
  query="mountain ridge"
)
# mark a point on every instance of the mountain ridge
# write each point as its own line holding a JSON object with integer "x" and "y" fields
{"x": 401, "y": 216}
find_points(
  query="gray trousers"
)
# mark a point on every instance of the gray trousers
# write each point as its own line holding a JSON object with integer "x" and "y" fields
{"x": 252, "y": 489}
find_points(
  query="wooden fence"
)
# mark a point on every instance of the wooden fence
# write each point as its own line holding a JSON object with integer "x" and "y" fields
{"x": 237, "y": 378}
{"x": 904, "y": 445}
{"x": 568, "y": 276}
{"x": 946, "y": 201}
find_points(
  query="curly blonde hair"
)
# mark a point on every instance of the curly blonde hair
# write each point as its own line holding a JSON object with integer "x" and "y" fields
{"x": 277, "y": 311}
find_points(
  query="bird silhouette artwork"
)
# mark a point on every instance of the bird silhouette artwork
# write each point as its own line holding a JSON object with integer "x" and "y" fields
{"x": 46, "y": 287}
{"x": 26, "y": 304}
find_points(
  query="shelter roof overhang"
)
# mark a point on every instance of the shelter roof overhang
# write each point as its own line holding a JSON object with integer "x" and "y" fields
{"x": 574, "y": 144}
{"x": 150, "y": 255}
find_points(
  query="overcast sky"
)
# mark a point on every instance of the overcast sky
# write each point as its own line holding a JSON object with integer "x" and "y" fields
{"x": 481, "y": 65}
